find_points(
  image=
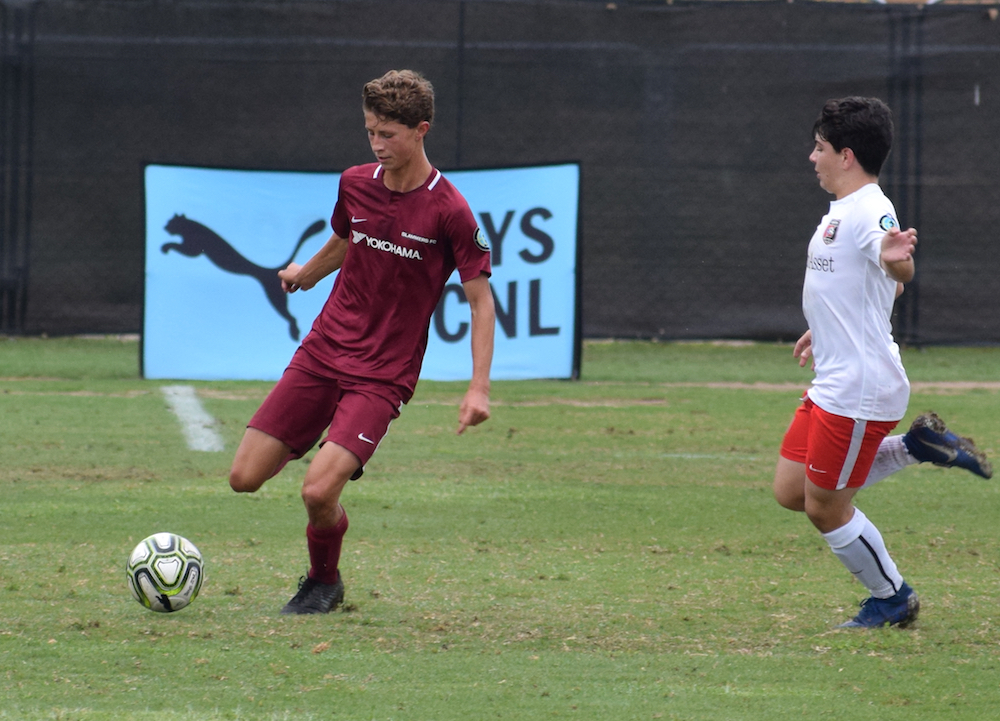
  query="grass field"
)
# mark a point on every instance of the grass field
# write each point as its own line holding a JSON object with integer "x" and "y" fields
{"x": 602, "y": 549}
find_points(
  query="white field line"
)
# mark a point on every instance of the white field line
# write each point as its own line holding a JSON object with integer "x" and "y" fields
{"x": 196, "y": 423}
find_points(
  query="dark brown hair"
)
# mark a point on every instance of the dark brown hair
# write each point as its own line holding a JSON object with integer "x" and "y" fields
{"x": 862, "y": 124}
{"x": 405, "y": 96}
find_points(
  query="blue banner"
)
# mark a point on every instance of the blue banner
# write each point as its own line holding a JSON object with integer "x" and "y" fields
{"x": 215, "y": 240}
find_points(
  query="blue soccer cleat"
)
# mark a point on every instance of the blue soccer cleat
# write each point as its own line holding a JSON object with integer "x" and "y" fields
{"x": 930, "y": 441}
{"x": 900, "y": 610}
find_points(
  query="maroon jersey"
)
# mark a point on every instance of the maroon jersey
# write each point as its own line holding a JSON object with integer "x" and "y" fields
{"x": 402, "y": 249}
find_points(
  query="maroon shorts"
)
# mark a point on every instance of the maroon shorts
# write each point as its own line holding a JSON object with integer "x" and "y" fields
{"x": 838, "y": 452}
{"x": 305, "y": 408}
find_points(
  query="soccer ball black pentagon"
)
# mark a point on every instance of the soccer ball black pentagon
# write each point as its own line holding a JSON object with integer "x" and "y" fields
{"x": 165, "y": 572}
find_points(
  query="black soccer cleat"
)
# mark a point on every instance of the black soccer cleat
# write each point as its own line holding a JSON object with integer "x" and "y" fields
{"x": 315, "y": 597}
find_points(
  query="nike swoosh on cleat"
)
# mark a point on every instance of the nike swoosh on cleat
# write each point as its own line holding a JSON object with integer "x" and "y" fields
{"x": 366, "y": 440}
{"x": 950, "y": 453}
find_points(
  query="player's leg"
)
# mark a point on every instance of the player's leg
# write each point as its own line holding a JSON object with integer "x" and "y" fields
{"x": 930, "y": 441}
{"x": 853, "y": 539}
{"x": 361, "y": 421}
{"x": 325, "y": 479}
{"x": 790, "y": 471}
{"x": 927, "y": 441}
{"x": 841, "y": 452}
{"x": 891, "y": 458}
{"x": 860, "y": 547}
{"x": 259, "y": 457}
{"x": 322, "y": 589}
{"x": 288, "y": 423}
{"x": 828, "y": 509}
{"x": 789, "y": 484}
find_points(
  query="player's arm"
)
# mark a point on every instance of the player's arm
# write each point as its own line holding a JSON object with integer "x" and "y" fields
{"x": 475, "y": 406}
{"x": 897, "y": 254}
{"x": 328, "y": 259}
{"x": 803, "y": 348}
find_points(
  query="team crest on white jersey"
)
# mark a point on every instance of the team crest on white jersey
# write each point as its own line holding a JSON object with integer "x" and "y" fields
{"x": 831, "y": 231}
{"x": 887, "y": 223}
{"x": 481, "y": 242}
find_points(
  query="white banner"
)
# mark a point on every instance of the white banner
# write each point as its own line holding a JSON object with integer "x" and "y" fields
{"x": 216, "y": 238}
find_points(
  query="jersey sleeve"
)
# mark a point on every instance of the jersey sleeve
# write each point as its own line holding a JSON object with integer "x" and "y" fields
{"x": 469, "y": 244}
{"x": 873, "y": 223}
{"x": 340, "y": 221}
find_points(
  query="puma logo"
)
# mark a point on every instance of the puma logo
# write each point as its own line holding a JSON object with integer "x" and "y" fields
{"x": 197, "y": 239}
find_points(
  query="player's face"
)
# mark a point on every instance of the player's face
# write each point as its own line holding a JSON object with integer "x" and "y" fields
{"x": 826, "y": 161}
{"x": 394, "y": 144}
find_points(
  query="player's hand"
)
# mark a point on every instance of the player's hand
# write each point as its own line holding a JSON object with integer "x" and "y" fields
{"x": 474, "y": 410}
{"x": 803, "y": 348}
{"x": 290, "y": 278}
{"x": 898, "y": 245}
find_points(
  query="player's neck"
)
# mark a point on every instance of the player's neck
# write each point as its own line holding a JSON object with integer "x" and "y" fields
{"x": 852, "y": 183}
{"x": 408, "y": 177}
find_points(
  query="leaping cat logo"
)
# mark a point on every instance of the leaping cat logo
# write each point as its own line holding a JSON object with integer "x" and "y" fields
{"x": 198, "y": 239}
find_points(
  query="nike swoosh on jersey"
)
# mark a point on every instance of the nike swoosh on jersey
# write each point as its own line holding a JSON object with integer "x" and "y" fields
{"x": 358, "y": 220}
{"x": 366, "y": 440}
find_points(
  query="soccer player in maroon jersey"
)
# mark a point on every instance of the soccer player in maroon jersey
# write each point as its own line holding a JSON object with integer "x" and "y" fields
{"x": 399, "y": 230}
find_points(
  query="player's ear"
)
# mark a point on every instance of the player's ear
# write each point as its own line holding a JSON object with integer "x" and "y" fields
{"x": 847, "y": 158}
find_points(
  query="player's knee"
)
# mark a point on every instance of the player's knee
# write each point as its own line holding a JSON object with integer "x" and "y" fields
{"x": 827, "y": 517}
{"x": 789, "y": 486}
{"x": 787, "y": 498}
{"x": 321, "y": 494}
{"x": 314, "y": 496}
{"x": 243, "y": 481}
{"x": 238, "y": 483}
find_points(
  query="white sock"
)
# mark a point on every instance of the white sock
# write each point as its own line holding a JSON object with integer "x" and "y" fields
{"x": 891, "y": 457}
{"x": 859, "y": 546}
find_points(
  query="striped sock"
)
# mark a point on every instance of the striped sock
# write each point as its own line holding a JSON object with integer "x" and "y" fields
{"x": 859, "y": 546}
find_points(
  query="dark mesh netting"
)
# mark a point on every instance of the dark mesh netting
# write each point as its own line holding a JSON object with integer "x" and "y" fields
{"x": 691, "y": 124}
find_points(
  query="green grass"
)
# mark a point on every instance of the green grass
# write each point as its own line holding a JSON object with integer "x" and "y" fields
{"x": 603, "y": 549}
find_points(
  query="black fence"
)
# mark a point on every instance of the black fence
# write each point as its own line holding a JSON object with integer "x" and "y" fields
{"x": 691, "y": 122}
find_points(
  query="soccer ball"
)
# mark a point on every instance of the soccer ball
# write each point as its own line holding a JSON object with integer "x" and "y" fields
{"x": 165, "y": 572}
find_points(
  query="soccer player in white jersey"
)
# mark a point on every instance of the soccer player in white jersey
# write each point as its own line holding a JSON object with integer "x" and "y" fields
{"x": 838, "y": 441}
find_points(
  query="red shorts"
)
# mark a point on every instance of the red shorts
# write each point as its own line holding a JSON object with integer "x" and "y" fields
{"x": 838, "y": 452}
{"x": 304, "y": 405}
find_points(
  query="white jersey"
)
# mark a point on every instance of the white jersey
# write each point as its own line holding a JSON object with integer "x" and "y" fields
{"x": 847, "y": 299}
